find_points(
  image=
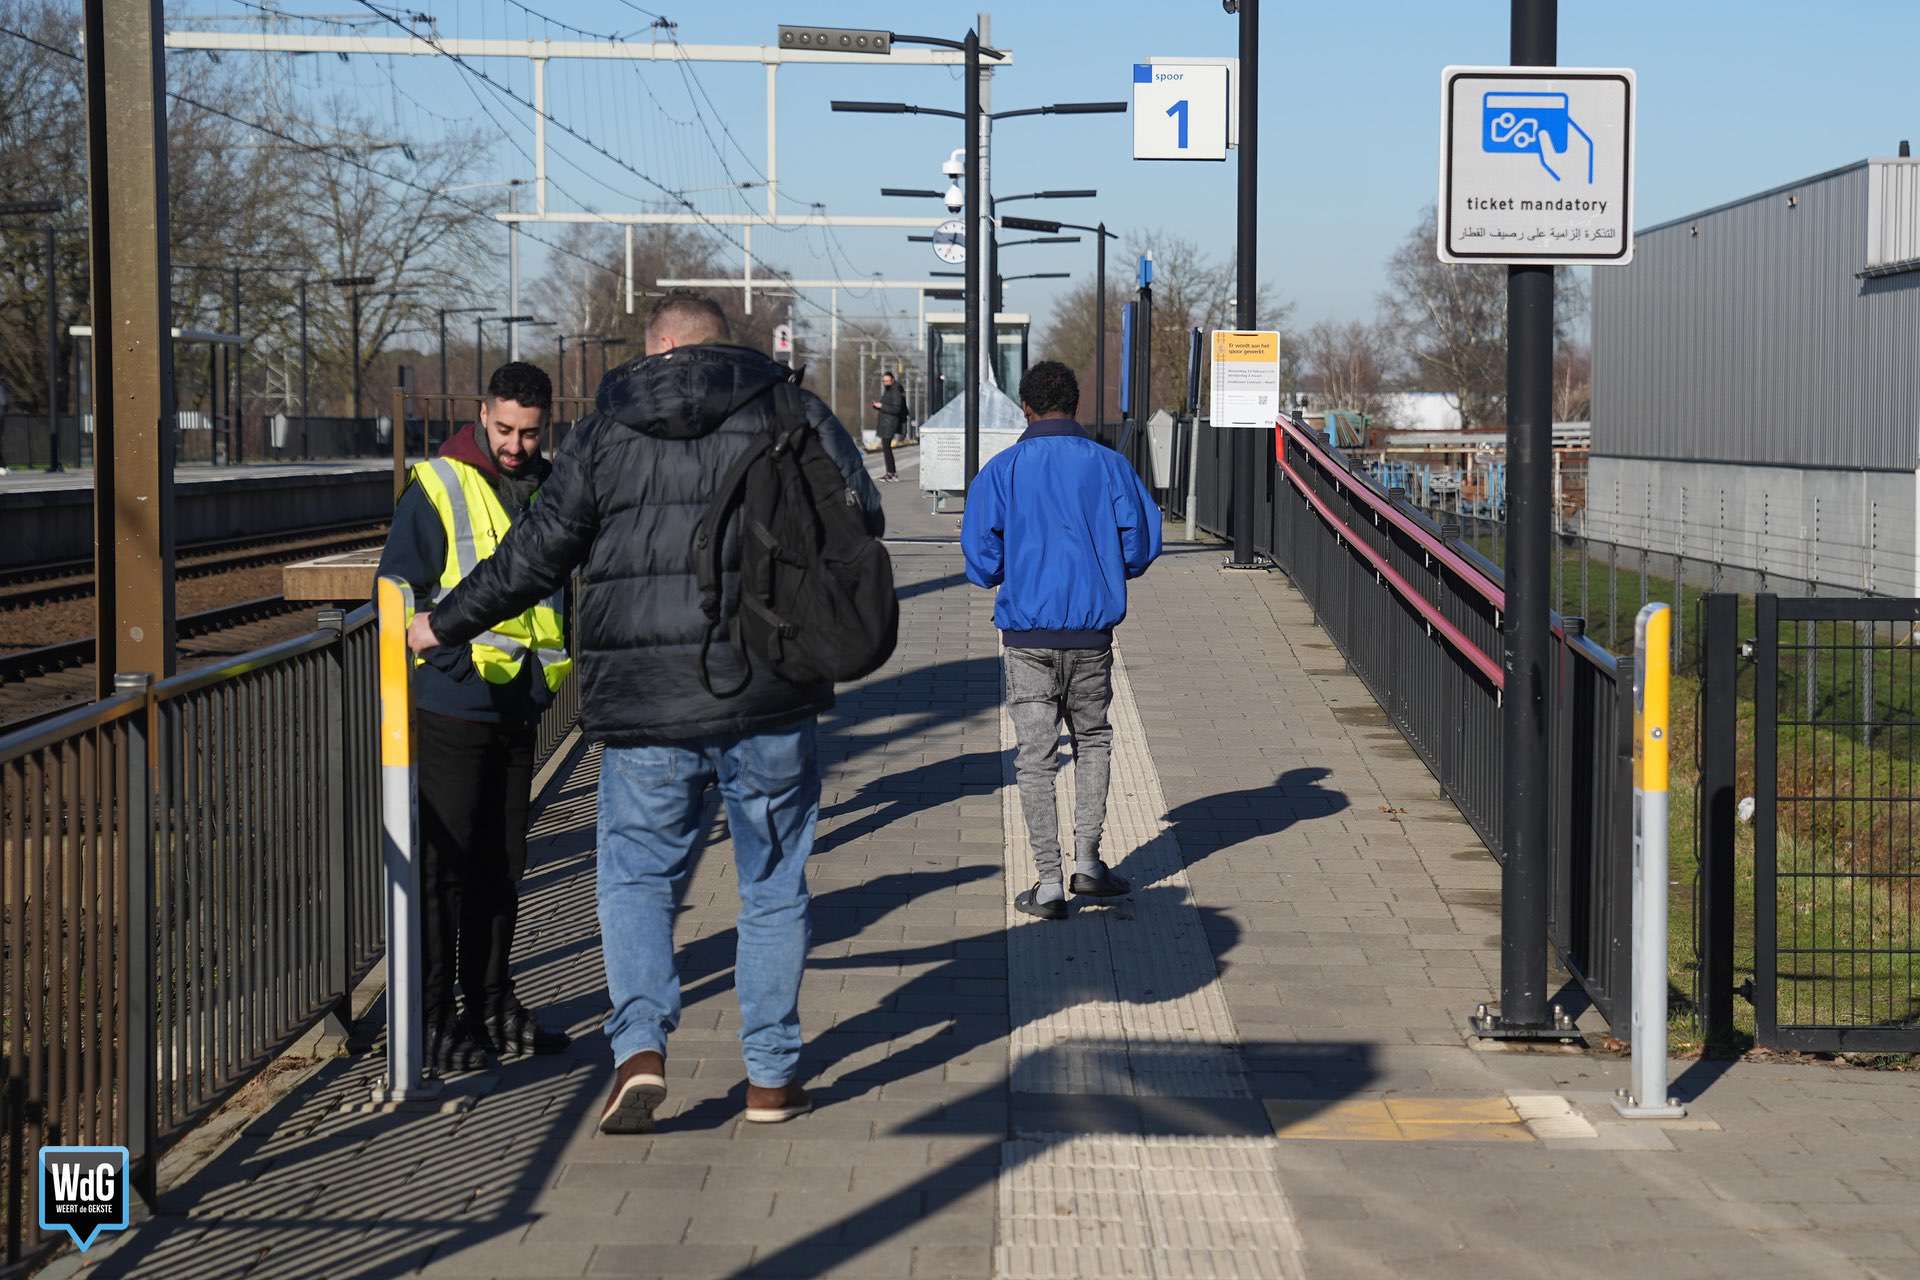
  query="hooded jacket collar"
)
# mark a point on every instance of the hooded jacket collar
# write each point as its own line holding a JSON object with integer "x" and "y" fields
{"x": 1043, "y": 428}
{"x": 465, "y": 446}
{"x": 514, "y": 491}
{"x": 688, "y": 392}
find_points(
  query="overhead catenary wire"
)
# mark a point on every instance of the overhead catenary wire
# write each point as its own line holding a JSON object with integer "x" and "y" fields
{"x": 343, "y": 155}
{"x": 715, "y": 229}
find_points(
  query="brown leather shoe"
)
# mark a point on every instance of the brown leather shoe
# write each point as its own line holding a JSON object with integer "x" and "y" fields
{"x": 775, "y": 1106}
{"x": 639, "y": 1087}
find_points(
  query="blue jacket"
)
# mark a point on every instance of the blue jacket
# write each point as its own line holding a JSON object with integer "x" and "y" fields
{"x": 1059, "y": 522}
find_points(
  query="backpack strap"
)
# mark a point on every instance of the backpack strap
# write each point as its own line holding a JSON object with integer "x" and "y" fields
{"x": 709, "y": 549}
{"x": 710, "y": 537}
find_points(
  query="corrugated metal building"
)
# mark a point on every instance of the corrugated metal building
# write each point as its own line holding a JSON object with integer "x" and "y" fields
{"x": 1756, "y": 382}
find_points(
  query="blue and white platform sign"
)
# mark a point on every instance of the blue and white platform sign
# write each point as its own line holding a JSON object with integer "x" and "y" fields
{"x": 1179, "y": 111}
{"x": 1536, "y": 165}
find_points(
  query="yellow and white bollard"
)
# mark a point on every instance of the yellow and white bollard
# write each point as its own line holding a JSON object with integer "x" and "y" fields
{"x": 1652, "y": 698}
{"x": 407, "y": 1083}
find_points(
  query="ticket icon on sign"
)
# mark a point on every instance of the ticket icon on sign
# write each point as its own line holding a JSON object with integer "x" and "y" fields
{"x": 1538, "y": 124}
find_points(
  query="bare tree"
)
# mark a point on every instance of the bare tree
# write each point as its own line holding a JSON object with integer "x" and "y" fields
{"x": 1573, "y": 382}
{"x": 1451, "y": 321}
{"x": 227, "y": 206}
{"x": 1190, "y": 291}
{"x": 1349, "y": 363}
{"x": 585, "y": 288}
{"x": 362, "y": 215}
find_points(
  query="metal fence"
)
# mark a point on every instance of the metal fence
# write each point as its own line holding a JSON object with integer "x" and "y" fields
{"x": 1417, "y": 613}
{"x": 192, "y": 875}
{"x": 1835, "y": 805}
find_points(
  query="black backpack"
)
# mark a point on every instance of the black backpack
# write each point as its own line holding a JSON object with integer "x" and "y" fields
{"x": 817, "y": 602}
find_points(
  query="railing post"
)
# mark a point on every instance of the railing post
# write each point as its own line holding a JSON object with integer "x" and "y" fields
{"x": 138, "y": 1061}
{"x": 339, "y": 1018}
{"x": 1193, "y": 473}
{"x": 1720, "y": 656}
{"x": 1646, "y": 1098}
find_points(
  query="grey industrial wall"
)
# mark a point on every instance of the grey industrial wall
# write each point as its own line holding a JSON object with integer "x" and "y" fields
{"x": 1847, "y": 531}
{"x": 1744, "y": 335}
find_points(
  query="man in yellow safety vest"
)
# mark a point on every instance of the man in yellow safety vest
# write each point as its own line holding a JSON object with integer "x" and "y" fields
{"x": 478, "y": 706}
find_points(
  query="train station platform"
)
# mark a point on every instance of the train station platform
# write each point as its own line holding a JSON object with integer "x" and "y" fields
{"x": 1256, "y": 1066}
{"x": 47, "y": 518}
{"x": 20, "y": 480}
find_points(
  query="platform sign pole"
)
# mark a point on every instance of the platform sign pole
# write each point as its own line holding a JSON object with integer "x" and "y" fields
{"x": 1647, "y": 1098}
{"x": 407, "y": 1083}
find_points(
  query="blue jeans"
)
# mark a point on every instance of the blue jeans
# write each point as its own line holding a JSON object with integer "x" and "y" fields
{"x": 650, "y": 803}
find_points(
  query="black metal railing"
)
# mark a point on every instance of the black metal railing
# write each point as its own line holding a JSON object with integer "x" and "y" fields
{"x": 192, "y": 876}
{"x": 1835, "y": 869}
{"x": 1418, "y": 614}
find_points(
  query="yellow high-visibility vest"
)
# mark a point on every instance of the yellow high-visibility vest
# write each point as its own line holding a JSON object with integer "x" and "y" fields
{"x": 475, "y": 523}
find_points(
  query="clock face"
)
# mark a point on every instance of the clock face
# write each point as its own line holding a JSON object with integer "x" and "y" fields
{"x": 950, "y": 241}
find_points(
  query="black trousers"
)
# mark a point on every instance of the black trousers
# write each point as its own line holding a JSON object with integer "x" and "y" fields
{"x": 886, "y": 451}
{"x": 476, "y": 785}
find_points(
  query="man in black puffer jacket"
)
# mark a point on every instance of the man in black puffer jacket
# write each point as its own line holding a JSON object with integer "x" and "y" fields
{"x": 628, "y": 490}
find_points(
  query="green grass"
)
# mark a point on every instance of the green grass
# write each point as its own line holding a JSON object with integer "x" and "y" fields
{"x": 1843, "y": 871}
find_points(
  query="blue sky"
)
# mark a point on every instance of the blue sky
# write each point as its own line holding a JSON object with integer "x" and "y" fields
{"x": 1734, "y": 97}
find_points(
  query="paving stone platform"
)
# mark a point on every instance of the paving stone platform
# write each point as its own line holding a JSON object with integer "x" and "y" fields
{"x": 1254, "y": 1067}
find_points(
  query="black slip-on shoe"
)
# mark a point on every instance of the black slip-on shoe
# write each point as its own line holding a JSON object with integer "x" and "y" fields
{"x": 1104, "y": 885}
{"x": 1027, "y": 902}
{"x": 455, "y": 1045}
{"x": 515, "y": 1033}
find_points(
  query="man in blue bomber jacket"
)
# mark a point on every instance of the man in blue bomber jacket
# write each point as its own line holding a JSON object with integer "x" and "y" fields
{"x": 1059, "y": 523}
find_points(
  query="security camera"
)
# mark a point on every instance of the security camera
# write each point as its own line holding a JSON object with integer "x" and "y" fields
{"x": 956, "y": 198}
{"x": 1231, "y": 6}
{"x": 956, "y": 165}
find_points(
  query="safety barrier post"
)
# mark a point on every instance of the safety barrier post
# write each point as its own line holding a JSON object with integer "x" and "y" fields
{"x": 1647, "y": 1098}
{"x": 407, "y": 1083}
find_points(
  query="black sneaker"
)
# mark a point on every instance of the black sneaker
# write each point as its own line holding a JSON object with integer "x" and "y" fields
{"x": 1028, "y": 902}
{"x": 513, "y": 1033}
{"x": 454, "y": 1044}
{"x": 1104, "y": 885}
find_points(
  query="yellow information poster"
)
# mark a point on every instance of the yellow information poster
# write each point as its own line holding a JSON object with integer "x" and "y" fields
{"x": 1246, "y": 378}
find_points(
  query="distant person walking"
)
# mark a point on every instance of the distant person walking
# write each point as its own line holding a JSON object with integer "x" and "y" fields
{"x": 479, "y": 705}
{"x": 892, "y": 422}
{"x": 1059, "y": 523}
{"x": 630, "y": 488}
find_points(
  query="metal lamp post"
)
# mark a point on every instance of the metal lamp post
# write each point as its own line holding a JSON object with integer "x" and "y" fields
{"x": 444, "y": 313}
{"x": 976, "y": 122}
{"x": 50, "y": 247}
{"x": 1101, "y": 235}
{"x": 353, "y": 285}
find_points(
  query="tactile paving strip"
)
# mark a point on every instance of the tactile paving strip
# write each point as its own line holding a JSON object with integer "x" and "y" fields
{"x": 1123, "y": 1000}
{"x": 1138, "y": 973}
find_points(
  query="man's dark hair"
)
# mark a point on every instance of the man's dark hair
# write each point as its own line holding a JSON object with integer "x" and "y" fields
{"x": 686, "y": 312}
{"x": 1050, "y": 387}
{"x": 522, "y": 383}
{"x": 887, "y": 373}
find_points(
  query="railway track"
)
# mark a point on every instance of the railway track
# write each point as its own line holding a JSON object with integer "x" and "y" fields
{"x": 31, "y": 664}
{"x": 52, "y": 583}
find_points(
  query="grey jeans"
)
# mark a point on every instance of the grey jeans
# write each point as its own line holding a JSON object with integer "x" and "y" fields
{"x": 1045, "y": 686}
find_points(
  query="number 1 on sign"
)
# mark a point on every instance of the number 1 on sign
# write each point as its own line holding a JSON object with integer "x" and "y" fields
{"x": 1180, "y": 109}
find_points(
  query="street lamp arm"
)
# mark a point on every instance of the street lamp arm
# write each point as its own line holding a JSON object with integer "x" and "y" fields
{"x": 1064, "y": 109}
{"x": 893, "y": 109}
{"x": 941, "y": 42}
{"x": 914, "y": 193}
